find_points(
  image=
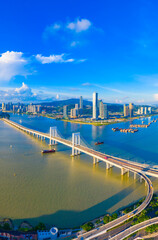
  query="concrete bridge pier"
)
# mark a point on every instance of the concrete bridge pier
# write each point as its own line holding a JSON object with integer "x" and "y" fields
{"x": 53, "y": 133}
{"x": 124, "y": 170}
{"x": 141, "y": 179}
{"x": 94, "y": 160}
{"x": 75, "y": 142}
{"x": 135, "y": 175}
{"x": 108, "y": 165}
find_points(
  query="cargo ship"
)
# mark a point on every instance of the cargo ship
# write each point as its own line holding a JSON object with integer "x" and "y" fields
{"x": 99, "y": 143}
{"x": 48, "y": 151}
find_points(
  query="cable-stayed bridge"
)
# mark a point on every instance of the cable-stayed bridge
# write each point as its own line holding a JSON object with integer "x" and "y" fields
{"x": 78, "y": 145}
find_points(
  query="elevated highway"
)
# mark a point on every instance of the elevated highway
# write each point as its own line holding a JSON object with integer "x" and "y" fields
{"x": 135, "y": 228}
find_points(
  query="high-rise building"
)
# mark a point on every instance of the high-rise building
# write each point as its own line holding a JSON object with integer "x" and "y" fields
{"x": 65, "y": 111}
{"x": 81, "y": 102}
{"x": 145, "y": 111}
{"x": 149, "y": 110}
{"x": 39, "y": 108}
{"x": 32, "y": 108}
{"x": 106, "y": 115}
{"x": 131, "y": 109}
{"x": 141, "y": 110}
{"x": 126, "y": 110}
{"x": 3, "y": 106}
{"x": 103, "y": 112}
{"x": 74, "y": 112}
{"x": 95, "y": 105}
{"x": 76, "y": 106}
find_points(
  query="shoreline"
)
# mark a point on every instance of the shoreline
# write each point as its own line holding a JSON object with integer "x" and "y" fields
{"x": 99, "y": 123}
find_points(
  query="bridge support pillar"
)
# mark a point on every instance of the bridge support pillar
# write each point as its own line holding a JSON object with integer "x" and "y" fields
{"x": 94, "y": 160}
{"x": 135, "y": 175}
{"x": 75, "y": 142}
{"x": 141, "y": 179}
{"x": 108, "y": 165}
{"x": 53, "y": 133}
{"x": 123, "y": 171}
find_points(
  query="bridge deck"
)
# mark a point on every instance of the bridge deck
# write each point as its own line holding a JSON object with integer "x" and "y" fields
{"x": 114, "y": 161}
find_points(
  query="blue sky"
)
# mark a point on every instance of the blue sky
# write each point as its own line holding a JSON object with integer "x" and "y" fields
{"x": 59, "y": 49}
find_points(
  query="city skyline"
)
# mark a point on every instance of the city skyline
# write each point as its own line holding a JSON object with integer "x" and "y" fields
{"x": 71, "y": 51}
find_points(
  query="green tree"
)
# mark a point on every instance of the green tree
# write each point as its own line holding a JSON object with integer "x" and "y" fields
{"x": 114, "y": 216}
{"x": 6, "y": 226}
{"x": 88, "y": 226}
{"x": 106, "y": 219}
{"x": 40, "y": 226}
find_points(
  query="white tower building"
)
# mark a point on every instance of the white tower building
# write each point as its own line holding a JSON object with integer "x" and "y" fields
{"x": 95, "y": 105}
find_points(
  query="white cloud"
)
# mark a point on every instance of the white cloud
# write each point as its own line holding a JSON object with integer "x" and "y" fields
{"x": 23, "y": 93}
{"x": 74, "y": 43}
{"x": 156, "y": 96}
{"x": 82, "y": 60}
{"x": 56, "y": 26}
{"x": 79, "y": 25}
{"x": 53, "y": 59}
{"x": 12, "y": 64}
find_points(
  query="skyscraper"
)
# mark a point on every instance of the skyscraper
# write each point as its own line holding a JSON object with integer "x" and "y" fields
{"x": 65, "y": 111}
{"x": 131, "y": 108}
{"x": 103, "y": 113}
{"x": 95, "y": 105}
{"x": 145, "y": 111}
{"x": 76, "y": 106}
{"x": 81, "y": 102}
{"x": 125, "y": 110}
{"x": 141, "y": 110}
{"x": 149, "y": 110}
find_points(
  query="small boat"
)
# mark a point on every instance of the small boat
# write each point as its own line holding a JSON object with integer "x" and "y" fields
{"x": 48, "y": 151}
{"x": 98, "y": 143}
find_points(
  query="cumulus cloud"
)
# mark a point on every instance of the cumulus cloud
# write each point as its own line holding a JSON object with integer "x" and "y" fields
{"x": 53, "y": 59}
{"x": 79, "y": 25}
{"x": 23, "y": 93}
{"x": 13, "y": 64}
{"x": 70, "y": 32}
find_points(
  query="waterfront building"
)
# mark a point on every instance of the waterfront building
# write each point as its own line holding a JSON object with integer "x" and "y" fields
{"x": 3, "y": 106}
{"x": 95, "y": 105}
{"x": 39, "y": 108}
{"x": 149, "y": 110}
{"x": 126, "y": 110}
{"x": 103, "y": 113}
{"x": 139, "y": 111}
{"x": 81, "y": 102}
{"x": 131, "y": 109}
{"x": 145, "y": 111}
{"x": 106, "y": 115}
{"x": 32, "y": 108}
{"x": 65, "y": 111}
{"x": 45, "y": 234}
{"x": 74, "y": 113}
{"x": 142, "y": 110}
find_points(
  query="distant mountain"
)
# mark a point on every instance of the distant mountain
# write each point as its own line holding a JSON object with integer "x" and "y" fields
{"x": 61, "y": 103}
{"x": 112, "y": 107}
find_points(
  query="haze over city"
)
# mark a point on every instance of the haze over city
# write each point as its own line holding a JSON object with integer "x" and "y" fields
{"x": 58, "y": 50}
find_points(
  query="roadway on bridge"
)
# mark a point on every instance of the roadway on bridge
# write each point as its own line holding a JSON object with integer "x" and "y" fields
{"x": 114, "y": 161}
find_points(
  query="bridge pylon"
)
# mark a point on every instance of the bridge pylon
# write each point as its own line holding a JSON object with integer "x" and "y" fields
{"x": 53, "y": 133}
{"x": 75, "y": 142}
